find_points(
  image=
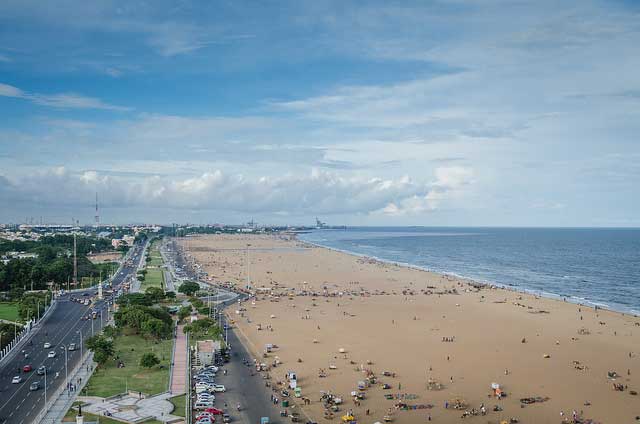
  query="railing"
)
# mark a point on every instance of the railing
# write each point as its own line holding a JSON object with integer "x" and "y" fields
{"x": 53, "y": 398}
{"x": 25, "y": 332}
{"x": 187, "y": 403}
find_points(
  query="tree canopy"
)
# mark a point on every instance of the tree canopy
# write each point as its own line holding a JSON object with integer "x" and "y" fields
{"x": 189, "y": 287}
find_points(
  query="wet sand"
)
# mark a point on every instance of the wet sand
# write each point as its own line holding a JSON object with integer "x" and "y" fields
{"x": 312, "y": 302}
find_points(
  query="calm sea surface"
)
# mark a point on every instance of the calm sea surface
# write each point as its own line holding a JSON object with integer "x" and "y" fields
{"x": 590, "y": 266}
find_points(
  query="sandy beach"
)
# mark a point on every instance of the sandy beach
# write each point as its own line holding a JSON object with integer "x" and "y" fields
{"x": 441, "y": 339}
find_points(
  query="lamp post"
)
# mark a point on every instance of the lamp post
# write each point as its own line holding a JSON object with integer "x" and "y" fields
{"x": 45, "y": 387}
{"x": 247, "y": 260}
{"x": 66, "y": 369}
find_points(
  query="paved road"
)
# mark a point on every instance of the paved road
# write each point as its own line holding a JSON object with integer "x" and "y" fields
{"x": 248, "y": 390}
{"x": 17, "y": 403}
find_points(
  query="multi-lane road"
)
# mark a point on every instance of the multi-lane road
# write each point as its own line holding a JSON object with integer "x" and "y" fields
{"x": 64, "y": 325}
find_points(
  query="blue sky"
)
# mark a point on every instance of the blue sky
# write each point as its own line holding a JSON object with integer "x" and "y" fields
{"x": 372, "y": 113}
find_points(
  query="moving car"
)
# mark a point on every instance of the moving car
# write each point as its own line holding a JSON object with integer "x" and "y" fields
{"x": 34, "y": 386}
{"x": 27, "y": 368}
{"x": 219, "y": 388}
{"x": 17, "y": 379}
{"x": 226, "y": 418}
{"x": 72, "y": 346}
{"x": 41, "y": 370}
{"x": 51, "y": 354}
{"x": 47, "y": 345}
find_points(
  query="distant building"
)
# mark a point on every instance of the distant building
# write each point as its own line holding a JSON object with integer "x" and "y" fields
{"x": 206, "y": 351}
{"x": 124, "y": 241}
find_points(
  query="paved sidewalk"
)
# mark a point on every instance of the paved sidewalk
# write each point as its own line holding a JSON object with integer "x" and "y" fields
{"x": 179, "y": 369}
{"x": 58, "y": 408}
{"x": 133, "y": 408}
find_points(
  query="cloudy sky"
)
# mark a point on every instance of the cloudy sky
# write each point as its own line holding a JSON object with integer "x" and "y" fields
{"x": 443, "y": 112}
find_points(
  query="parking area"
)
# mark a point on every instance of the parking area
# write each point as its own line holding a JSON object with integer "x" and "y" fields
{"x": 243, "y": 386}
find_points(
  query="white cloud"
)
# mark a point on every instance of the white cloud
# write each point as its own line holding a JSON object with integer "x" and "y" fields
{"x": 316, "y": 192}
{"x": 62, "y": 100}
{"x": 10, "y": 91}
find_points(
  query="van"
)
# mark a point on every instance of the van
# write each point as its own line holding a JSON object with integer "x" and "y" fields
{"x": 202, "y": 405}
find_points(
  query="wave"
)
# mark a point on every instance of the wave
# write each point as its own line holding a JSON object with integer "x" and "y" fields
{"x": 578, "y": 300}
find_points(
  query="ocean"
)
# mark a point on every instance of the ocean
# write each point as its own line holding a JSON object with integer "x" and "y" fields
{"x": 584, "y": 265}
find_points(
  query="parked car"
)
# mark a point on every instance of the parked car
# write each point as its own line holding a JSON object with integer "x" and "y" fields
{"x": 219, "y": 388}
{"x": 202, "y": 405}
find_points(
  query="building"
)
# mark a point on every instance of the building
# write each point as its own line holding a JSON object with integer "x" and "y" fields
{"x": 206, "y": 351}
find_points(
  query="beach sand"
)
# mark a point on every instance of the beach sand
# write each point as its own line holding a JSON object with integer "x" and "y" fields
{"x": 395, "y": 318}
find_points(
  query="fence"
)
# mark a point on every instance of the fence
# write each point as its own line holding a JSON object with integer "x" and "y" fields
{"x": 68, "y": 401}
{"x": 28, "y": 328}
{"x": 187, "y": 403}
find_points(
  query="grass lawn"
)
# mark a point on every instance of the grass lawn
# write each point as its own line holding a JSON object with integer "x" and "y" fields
{"x": 109, "y": 380}
{"x": 70, "y": 417}
{"x": 179, "y": 403}
{"x": 9, "y": 311}
{"x": 154, "y": 278}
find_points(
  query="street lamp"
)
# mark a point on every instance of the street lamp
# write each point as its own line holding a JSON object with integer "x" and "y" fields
{"x": 66, "y": 368}
{"x": 45, "y": 387}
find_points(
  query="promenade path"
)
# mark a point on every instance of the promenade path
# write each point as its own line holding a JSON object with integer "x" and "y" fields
{"x": 179, "y": 369}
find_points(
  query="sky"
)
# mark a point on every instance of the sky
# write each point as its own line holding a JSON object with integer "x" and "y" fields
{"x": 435, "y": 113}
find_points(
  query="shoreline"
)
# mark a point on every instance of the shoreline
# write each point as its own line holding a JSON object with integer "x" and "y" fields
{"x": 333, "y": 315}
{"x": 488, "y": 284}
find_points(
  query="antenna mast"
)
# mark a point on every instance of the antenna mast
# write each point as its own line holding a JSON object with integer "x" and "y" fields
{"x": 75, "y": 262}
{"x": 97, "y": 214}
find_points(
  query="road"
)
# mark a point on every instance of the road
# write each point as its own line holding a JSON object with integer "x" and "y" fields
{"x": 64, "y": 325}
{"x": 242, "y": 387}
{"x": 246, "y": 389}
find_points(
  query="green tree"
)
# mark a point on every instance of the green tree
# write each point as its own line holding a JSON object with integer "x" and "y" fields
{"x": 170, "y": 295}
{"x": 156, "y": 294}
{"x": 184, "y": 312}
{"x": 149, "y": 360}
{"x": 102, "y": 348}
{"x": 155, "y": 328}
{"x": 189, "y": 287}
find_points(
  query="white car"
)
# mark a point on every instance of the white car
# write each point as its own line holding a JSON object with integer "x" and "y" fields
{"x": 219, "y": 388}
{"x": 47, "y": 345}
{"x": 51, "y": 354}
{"x": 202, "y": 405}
{"x": 204, "y": 390}
{"x": 206, "y": 396}
{"x": 16, "y": 380}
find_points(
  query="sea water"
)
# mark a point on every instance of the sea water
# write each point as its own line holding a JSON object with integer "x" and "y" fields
{"x": 584, "y": 265}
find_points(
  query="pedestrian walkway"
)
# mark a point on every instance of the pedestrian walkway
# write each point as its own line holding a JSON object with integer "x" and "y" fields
{"x": 61, "y": 401}
{"x": 132, "y": 407}
{"x": 179, "y": 369}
